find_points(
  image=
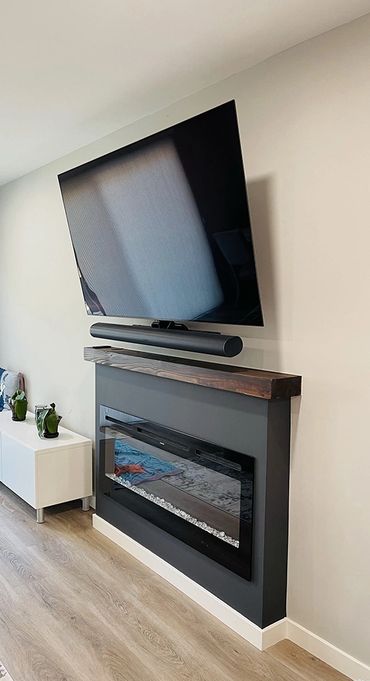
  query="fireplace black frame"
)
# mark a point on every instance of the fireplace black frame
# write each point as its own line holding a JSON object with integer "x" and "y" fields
{"x": 236, "y": 559}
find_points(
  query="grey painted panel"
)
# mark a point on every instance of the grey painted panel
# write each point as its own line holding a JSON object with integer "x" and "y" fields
{"x": 276, "y": 511}
{"x": 234, "y": 421}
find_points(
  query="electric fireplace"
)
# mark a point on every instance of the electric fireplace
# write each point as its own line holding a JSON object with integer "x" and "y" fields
{"x": 197, "y": 491}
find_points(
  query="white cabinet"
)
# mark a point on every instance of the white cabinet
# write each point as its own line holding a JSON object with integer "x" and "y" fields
{"x": 44, "y": 472}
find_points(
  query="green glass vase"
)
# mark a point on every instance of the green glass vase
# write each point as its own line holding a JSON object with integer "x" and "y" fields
{"x": 18, "y": 405}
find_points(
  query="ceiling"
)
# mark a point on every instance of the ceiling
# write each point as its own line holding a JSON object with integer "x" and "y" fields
{"x": 76, "y": 70}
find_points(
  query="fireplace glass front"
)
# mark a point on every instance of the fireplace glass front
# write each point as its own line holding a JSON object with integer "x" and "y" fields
{"x": 197, "y": 491}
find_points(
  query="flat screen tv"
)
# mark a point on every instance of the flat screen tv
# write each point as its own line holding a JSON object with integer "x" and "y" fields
{"x": 161, "y": 228}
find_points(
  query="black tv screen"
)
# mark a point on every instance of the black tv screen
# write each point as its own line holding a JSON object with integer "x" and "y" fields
{"x": 161, "y": 228}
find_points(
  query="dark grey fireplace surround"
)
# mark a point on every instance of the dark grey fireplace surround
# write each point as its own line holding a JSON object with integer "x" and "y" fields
{"x": 258, "y": 426}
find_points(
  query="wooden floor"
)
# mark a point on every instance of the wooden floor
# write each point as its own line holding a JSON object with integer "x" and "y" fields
{"x": 74, "y": 607}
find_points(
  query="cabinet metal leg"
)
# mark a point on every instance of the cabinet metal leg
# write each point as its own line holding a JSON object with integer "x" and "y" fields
{"x": 86, "y": 504}
{"x": 40, "y": 515}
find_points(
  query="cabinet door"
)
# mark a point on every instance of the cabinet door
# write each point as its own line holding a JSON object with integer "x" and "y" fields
{"x": 63, "y": 475}
{"x": 18, "y": 468}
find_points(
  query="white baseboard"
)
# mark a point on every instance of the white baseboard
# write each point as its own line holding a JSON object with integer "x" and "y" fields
{"x": 260, "y": 638}
{"x": 344, "y": 663}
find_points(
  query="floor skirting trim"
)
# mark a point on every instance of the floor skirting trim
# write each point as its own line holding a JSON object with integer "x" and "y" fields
{"x": 325, "y": 651}
{"x": 260, "y": 638}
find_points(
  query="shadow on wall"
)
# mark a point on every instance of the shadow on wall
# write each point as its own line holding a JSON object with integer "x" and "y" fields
{"x": 268, "y": 356}
{"x": 262, "y": 343}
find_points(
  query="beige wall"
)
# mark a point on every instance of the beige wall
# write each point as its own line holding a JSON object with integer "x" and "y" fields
{"x": 304, "y": 120}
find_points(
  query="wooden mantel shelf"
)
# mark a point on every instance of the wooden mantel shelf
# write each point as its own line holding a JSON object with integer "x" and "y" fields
{"x": 267, "y": 385}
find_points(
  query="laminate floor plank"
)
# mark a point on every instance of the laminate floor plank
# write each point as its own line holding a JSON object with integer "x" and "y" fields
{"x": 75, "y": 607}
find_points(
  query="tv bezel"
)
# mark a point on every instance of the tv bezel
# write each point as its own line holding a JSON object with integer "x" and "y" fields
{"x": 135, "y": 145}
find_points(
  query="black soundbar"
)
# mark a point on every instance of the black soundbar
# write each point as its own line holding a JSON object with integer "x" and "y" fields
{"x": 194, "y": 341}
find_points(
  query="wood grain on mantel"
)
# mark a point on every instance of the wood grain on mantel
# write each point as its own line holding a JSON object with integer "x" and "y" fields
{"x": 267, "y": 385}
